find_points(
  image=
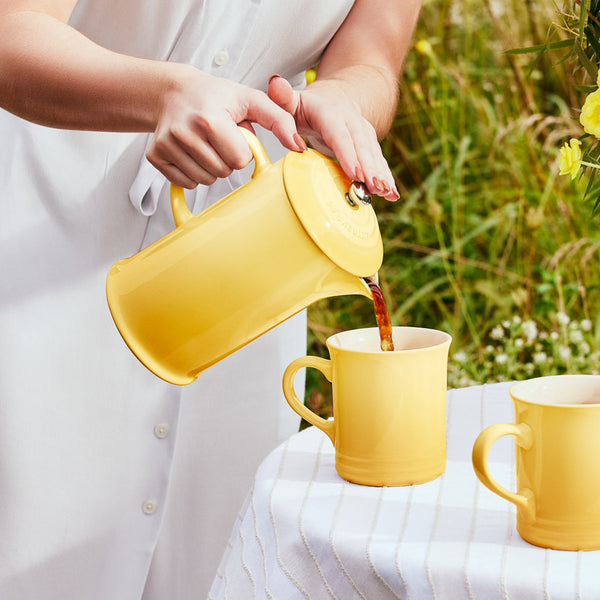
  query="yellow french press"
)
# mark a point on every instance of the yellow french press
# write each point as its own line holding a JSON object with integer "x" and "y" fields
{"x": 296, "y": 233}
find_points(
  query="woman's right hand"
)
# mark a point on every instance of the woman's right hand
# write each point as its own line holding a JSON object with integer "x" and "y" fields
{"x": 196, "y": 139}
{"x": 193, "y": 115}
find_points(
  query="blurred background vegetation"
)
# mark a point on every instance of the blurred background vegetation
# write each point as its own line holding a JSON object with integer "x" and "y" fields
{"x": 487, "y": 242}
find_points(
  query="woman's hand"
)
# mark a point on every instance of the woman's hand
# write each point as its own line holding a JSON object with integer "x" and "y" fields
{"x": 353, "y": 101}
{"x": 196, "y": 139}
{"x": 193, "y": 115}
{"x": 334, "y": 125}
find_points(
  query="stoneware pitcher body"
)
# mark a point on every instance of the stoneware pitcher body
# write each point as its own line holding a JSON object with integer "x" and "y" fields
{"x": 287, "y": 238}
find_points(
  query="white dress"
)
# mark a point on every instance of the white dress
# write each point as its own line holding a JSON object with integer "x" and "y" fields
{"x": 115, "y": 485}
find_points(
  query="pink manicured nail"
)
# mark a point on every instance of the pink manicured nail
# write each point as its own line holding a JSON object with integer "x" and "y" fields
{"x": 378, "y": 185}
{"x": 300, "y": 142}
{"x": 393, "y": 196}
{"x": 273, "y": 77}
{"x": 358, "y": 174}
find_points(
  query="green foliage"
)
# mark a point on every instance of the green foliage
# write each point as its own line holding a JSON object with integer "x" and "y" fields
{"x": 485, "y": 230}
{"x": 576, "y": 30}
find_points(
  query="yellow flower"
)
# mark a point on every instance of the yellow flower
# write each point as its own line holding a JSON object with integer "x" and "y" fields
{"x": 424, "y": 47}
{"x": 570, "y": 158}
{"x": 590, "y": 114}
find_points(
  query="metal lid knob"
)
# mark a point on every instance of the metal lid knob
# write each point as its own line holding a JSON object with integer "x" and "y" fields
{"x": 358, "y": 193}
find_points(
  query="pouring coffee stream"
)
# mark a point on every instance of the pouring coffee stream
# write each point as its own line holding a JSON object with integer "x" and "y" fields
{"x": 382, "y": 316}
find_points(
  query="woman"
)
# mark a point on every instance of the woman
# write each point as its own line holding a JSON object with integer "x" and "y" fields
{"x": 115, "y": 484}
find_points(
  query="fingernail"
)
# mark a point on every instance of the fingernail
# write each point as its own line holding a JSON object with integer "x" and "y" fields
{"x": 273, "y": 77}
{"x": 377, "y": 184}
{"x": 300, "y": 142}
{"x": 358, "y": 174}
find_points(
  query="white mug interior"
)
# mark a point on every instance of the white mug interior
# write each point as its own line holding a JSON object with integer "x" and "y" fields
{"x": 404, "y": 338}
{"x": 559, "y": 390}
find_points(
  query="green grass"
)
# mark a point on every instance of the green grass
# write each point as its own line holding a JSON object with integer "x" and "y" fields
{"x": 485, "y": 231}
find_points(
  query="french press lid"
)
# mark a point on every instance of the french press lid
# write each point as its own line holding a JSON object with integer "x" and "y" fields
{"x": 334, "y": 211}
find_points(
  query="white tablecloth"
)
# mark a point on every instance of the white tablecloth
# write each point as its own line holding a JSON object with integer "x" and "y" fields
{"x": 306, "y": 533}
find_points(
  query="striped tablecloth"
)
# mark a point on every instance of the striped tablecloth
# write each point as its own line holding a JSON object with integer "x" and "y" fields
{"x": 306, "y": 533}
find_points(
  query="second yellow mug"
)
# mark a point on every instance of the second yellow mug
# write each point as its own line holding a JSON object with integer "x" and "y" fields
{"x": 389, "y": 425}
{"x": 557, "y": 440}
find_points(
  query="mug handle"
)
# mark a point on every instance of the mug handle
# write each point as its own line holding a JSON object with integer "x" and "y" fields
{"x": 522, "y": 433}
{"x": 181, "y": 212}
{"x": 321, "y": 364}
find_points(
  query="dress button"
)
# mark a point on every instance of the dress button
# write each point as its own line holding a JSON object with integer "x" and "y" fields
{"x": 221, "y": 58}
{"x": 149, "y": 507}
{"x": 161, "y": 431}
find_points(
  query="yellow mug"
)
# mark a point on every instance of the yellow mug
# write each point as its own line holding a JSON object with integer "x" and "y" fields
{"x": 557, "y": 440}
{"x": 389, "y": 408}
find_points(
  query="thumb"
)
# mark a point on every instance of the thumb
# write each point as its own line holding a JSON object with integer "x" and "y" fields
{"x": 282, "y": 93}
{"x": 267, "y": 113}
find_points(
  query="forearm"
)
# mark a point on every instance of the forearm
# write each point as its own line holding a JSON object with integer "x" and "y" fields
{"x": 53, "y": 75}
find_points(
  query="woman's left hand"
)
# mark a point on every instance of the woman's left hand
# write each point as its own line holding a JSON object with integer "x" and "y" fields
{"x": 334, "y": 125}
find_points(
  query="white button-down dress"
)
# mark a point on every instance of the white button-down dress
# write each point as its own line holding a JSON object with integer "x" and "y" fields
{"x": 115, "y": 485}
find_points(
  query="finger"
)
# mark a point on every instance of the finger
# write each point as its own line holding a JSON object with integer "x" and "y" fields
{"x": 178, "y": 166}
{"x": 218, "y": 148}
{"x": 247, "y": 125}
{"x": 355, "y": 145}
{"x": 265, "y": 112}
{"x": 178, "y": 177}
{"x": 282, "y": 93}
{"x": 382, "y": 181}
{"x": 375, "y": 169}
{"x": 338, "y": 137}
{"x": 228, "y": 142}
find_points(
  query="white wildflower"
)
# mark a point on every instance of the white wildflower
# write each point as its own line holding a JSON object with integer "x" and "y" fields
{"x": 519, "y": 342}
{"x": 586, "y": 325}
{"x": 516, "y": 320}
{"x": 562, "y": 318}
{"x": 564, "y": 352}
{"x": 506, "y": 324}
{"x": 539, "y": 358}
{"x": 530, "y": 330}
{"x": 501, "y": 358}
{"x": 575, "y": 336}
{"x": 460, "y": 356}
{"x": 584, "y": 348}
{"x": 497, "y": 333}
{"x": 554, "y": 336}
